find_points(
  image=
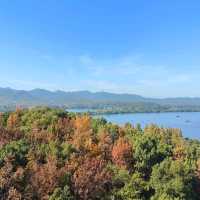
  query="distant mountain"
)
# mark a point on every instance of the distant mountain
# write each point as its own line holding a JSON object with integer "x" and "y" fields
{"x": 10, "y": 96}
{"x": 40, "y": 97}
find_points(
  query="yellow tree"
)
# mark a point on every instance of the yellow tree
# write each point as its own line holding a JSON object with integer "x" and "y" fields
{"x": 83, "y": 138}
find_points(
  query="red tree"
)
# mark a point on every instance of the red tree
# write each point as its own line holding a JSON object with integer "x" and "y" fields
{"x": 122, "y": 154}
{"x": 91, "y": 180}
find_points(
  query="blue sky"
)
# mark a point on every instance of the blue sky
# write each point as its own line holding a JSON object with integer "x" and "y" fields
{"x": 151, "y": 48}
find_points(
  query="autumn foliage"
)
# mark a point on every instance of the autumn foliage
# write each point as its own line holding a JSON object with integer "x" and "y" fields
{"x": 122, "y": 154}
{"x": 91, "y": 179}
{"x": 50, "y": 154}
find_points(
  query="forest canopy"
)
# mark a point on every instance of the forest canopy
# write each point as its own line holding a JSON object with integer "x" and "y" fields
{"x": 51, "y": 154}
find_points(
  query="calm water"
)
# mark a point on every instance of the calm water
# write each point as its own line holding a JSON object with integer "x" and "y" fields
{"x": 188, "y": 122}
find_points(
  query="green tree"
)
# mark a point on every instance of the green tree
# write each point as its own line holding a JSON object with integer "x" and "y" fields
{"x": 62, "y": 194}
{"x": 148, "y": 151}
{"x": 172, "y": 180}
{"x": 136, "y": 188}
{"x": 17, "y": 150}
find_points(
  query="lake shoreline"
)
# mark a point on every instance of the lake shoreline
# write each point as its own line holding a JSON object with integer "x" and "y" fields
{"x": 121, "y": 113}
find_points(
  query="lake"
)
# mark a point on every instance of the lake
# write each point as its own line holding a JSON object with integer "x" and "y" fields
{"x": 188, "y": 122}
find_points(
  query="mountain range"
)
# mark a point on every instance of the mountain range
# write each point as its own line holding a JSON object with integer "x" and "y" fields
{"x": 39, "y": 97}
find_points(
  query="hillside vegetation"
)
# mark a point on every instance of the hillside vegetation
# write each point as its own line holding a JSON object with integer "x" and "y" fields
{"x": 49, "y": 154}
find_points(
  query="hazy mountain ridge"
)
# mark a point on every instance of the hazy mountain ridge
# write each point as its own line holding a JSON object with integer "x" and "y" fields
{"x": 37, "y": 97}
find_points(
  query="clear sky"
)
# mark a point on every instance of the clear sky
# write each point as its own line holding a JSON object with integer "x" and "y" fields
{"x": 146, "y": 47}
